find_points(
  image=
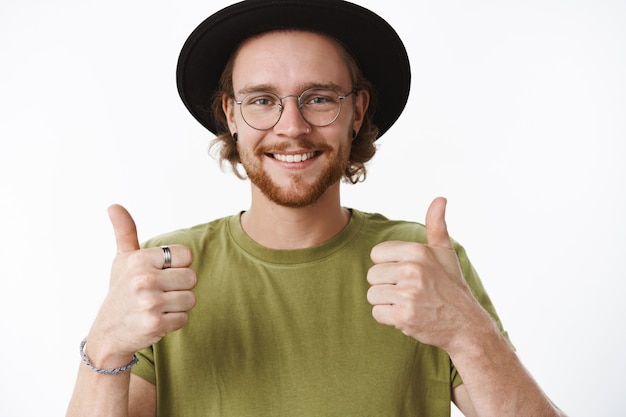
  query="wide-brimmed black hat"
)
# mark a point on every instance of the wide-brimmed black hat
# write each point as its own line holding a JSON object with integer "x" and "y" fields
{"x": 376, "y": 46}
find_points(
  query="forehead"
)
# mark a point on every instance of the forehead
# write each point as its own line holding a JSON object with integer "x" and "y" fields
{"x": 289, "y": 59}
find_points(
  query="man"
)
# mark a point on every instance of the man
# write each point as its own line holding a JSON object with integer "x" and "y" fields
{"x": 298, "y": 306}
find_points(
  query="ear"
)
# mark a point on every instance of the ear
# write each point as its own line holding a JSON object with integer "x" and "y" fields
{"x": 228, "y": 107}
{"x": 361, "y": 103}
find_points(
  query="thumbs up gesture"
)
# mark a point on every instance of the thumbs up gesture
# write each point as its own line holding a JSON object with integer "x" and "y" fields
{"x": 145, "y": 301}
{"x": 420, "y": 289}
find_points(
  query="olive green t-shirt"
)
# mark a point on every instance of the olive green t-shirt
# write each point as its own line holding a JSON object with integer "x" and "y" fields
{"x": 290, "y": 332}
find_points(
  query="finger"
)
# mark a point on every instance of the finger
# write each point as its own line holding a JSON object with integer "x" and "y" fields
{"x": 382, "y": 294}
{"x": 436, "y": 228}
{"x": 172, "y": 322}
{"x": 384, "y": 314}
{"x": 124, "y": 229}
{"x": 382, "y": 273}
{"x": 178, "y": 301}
{"x": 180, "y": 256}
{"x": 396, "y": 251}
{"x": 177, "y": 279}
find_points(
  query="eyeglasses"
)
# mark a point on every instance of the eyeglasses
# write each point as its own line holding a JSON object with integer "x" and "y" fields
{"x": 318, "y": 106}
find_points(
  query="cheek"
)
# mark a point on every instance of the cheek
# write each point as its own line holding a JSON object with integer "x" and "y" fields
{"x": 249, "y": 140}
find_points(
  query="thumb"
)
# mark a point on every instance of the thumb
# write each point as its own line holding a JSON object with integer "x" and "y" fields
{"x": 124, "y": 228}
{"x": 436, "y": 228}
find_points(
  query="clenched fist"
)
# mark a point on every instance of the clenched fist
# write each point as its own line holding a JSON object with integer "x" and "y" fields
{"x": 420, "y": 289}
{"x": 145, "y": 301}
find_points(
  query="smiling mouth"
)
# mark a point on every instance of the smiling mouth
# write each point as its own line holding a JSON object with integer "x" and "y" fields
{"x": 299, "y": 157}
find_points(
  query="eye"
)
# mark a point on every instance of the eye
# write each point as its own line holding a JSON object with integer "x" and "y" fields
{"x": 261, "y": 100}
{"x": 320, "y": 98}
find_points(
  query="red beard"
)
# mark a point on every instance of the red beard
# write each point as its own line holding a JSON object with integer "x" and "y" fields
{"x": 300, "y": 193}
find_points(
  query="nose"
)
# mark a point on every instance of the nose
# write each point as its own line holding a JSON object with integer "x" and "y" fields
{"x": 291, "y": 122}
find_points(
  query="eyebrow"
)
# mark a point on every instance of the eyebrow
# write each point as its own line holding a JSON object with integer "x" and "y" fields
{"x": 303, "y": 87}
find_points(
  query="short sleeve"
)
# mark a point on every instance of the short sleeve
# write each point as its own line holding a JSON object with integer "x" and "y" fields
{"x": 145, "y": 367}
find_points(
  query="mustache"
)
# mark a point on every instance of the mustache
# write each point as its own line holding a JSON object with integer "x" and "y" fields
{"x": 304, "y": 144}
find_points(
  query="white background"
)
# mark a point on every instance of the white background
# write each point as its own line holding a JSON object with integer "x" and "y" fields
{"x": 517, "y": 114}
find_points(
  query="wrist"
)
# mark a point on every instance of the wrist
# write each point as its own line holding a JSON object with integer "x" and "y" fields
{"x": 480, "y": 336}
{"x": 107, "y": 364}
{"x": 485, "y": 347}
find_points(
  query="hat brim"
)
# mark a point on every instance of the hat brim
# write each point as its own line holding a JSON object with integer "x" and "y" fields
{"x": 376, "y": 46}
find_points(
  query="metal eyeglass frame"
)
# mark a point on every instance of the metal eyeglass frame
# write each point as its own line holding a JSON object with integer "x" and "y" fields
{"x": 300, "y": 104}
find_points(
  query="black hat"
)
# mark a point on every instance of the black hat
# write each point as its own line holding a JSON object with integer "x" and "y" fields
{"x": 376, "y": 46}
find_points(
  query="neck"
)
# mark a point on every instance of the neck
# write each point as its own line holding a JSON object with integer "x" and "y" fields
{"x": 279, "y": 227}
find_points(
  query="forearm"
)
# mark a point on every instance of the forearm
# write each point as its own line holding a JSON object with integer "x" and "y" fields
{"x": 100, "y": 395}
{"x": 496, "y": 381}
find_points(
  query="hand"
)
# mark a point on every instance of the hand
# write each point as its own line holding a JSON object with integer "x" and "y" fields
{"x": 144, "y": 302}
{"x": 420, "y": 289}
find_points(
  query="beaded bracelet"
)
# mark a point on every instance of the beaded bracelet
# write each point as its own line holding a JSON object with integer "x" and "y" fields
{"x": 114, "y": 371}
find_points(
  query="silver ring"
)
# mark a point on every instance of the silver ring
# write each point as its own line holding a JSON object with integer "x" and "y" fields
{"x": 167, "y": 257}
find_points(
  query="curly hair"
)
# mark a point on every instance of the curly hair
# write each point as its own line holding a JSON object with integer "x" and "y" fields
{"x": 363, "y": 145}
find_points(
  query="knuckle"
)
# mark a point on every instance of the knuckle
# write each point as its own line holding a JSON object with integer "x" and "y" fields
{"x": 409, "y": 295}
{"x": 379, "y": 314}
{"x": 192, "y": 278}
{"x": 154, "y": 324}
{"x": 404, "y": 317}
{"x": 144, "y": 281}
{"x": 190, "y": 301}
{"x": 181, "y": 320}
{"x": 411, "y": 270}
{"x": 376, "y": 251}
{"x": 149, "y": 305}
{"x": 174, "y": 322}
{"x": 416, "y": 251}
{"x": 184, "y": 255}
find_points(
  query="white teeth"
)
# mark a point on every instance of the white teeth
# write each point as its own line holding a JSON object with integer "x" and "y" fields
{"x": 294, "y": 158}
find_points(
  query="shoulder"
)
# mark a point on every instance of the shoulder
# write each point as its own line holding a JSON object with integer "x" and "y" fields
{"x": 197, "y": 235}
{"x": 382, "y": 228}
